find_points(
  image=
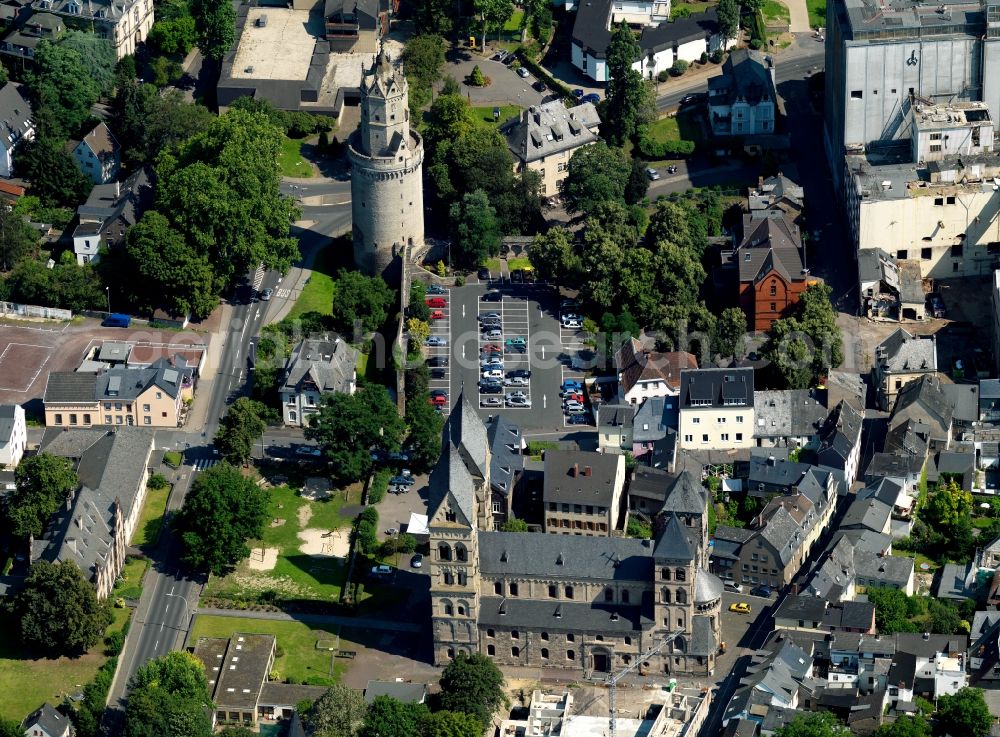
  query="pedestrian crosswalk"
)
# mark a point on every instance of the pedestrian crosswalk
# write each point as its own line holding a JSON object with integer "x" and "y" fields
{"x": 203, "y": 464}
{"x": 258, "y": 277}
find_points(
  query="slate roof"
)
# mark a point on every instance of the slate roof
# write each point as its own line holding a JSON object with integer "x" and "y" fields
{"x": 15, "y": 114}
{"x": 915, "y": 643}
{"x": 451, "y": 475}
{"x": 8, "y": 414}
{"x": 870, "y": 514}
{"x": 124, "y": 384}
{"x": 558, "y": 615}
{"x": 48, "y": 719}
{"x": 650, "y": 483}
{"x": 989, "y": 388}
{"x": 957, "y": 581}
{"x": 127, "y": 200}
{"x": 845, "y": 386}
{"x": 773, "y": 191}
{"x": 673, "y": 542}
{"x": 703, "y": 642}
{"x": 902, "y": 352}
{"x": 716, "y": 387}
{"x": 615, "y": 415}
{"x": 840, "y": 435}
{"x": 549, "y": 128}
{"x": 69, "y": 387}
{"x": 635, "y": 365}
{"x": 328, "y": 364}
{"x": 850, "y": 614}
{"x": 466, "y": 431}
{"x": 653, "y": 419}
{"x": 925, "y": 402}
{"x": 745, "y": 76}
{"x": 567, "y": 479}
{"x": 685, "y": 495}
{"x": 801, "y": 606}
{"x": 964, "y": 401}
{"x": 591, "y": 29}
{"x": 565, "y": 556}
{"x": 772, "y": 471}
{"x": 506, "y": 461}
{"x": 787, "y": 413}
{"x": 707, "y": 587}
{"x": 784, "y": 534}
{"x": 101, "y": 141}
{"x": 110, "y": 466}
{"x": 769, "y": 243}
{"x": 890, "y": 464}
{"x": 236, "y": 667}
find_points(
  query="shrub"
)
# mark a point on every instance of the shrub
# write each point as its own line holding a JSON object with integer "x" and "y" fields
{"x": 717, "y": 56}
{"x": 663, "y": 76}
{"x": 157, "y": 481}
{"x": 114, "y": 643}
{"x": 680, "y": 66}
{"x": 704, "y": 58}
{"x": 653, "y": 150}
{"x": 370, "y": 514}
{"x": 367, "y": 537}
{"x": 460, "y": 280}
{"x": 756, "y": 44}
{"x": 379, "y": 485}
{"x": 476, "y": 79}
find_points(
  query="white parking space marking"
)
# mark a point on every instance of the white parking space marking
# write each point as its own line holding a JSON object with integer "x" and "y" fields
{"x": 441, "y": 328}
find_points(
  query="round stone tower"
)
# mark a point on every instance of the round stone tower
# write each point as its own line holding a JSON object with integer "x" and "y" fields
{"x": 386, "y": 172}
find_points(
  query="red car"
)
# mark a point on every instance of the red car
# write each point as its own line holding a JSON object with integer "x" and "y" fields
{"x": 437, "y": 315}
{"x": 571, "y": 397}
{"x": 439, "y": 400}
{"x": 491, "y": 348}
{"x": 437, "y": 302}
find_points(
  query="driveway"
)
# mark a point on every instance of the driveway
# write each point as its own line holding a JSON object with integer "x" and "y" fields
{"x": 799, "y": 20}
{"x": 505, "y": 88}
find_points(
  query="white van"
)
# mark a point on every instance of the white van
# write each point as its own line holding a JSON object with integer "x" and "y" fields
{"x": 493, "y": 374}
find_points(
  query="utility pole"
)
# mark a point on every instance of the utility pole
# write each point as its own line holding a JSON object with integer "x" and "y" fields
{"x": 613, "y": 679}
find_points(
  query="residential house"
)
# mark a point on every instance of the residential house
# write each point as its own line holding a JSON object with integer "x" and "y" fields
{"x": 98, "y": 155}
{"x": 964, "y": 401}
{"x": 984, "y": 650}
{"x": 810, "y": 613}
{"x": 844, "y": 386}
{"x": 29, "y": 30}
{"x": 405, "y": 692}
{"x": 13, "y": 435}
{"x": 900, "y": 359}
{"x": 544, "y": 138}
{"x": 929, "y": 666}
{"x": 958, "y": 465}
{"x": 355, "y": 26}
{"x": 663, "y": 41}
{"x": 643, "y": 374}
{"x": 647, "y": 490}
{"x": 654, "y": 426}
{"x": 125, "y": 24}
{"x": 506, "y": 466}
{"x": 777, "y": 193}
{"x": 989, "y": 401}
{"x": 316, "y": 367}
{"x": 895, "y": 493}
{"x": 150, "y": 397}
{"x": 716, "y": 408}
{"x": 789, "y": 418}
{"x": 110, "y": 210}
{"x": 15, "y": 125}
{"x": 772, "y": 272}
{"x": 767, "y": 475}
{"x": 922, "y": 414}
{"x": 13, "y": 13}
{"x": 849, "y": 567}
{"x": 840, "y": 441}
{"x": 96, "y": 524}
{"x": 583, "y": 492}
{"x": 238, "y": 669}
{"x": 906, "y": 469}
{"x": 614, "y": 428}
{"x": 743, "y": 100}
{"x": 774, "y": 681}
{"x": 46, "y": 721}
{"x": 867, "y": 513}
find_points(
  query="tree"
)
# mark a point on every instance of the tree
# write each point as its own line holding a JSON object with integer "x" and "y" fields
{"x": 97, "y": 56}
{"x": 964, "y": 713}
{"x": 239, "y": 430}
{"x": 730, "y": 332}
{"x": 10, "y": 728}
{"x": 337, "y": 713}
{"x": 907, "y": 725}
{"x": 215, "y": 24}
{"x": 220, "y": 190}
{"x": 419, "y": 330}
{"x": 638, "y": 182}
{"x": 221, "y": 512}
{"x": 630, "y": 102}
{"x": 434, "y": 16}
{"x": 58, "y": 609}
{"x": 167, "y": 698}
{"x": 452, "y": 724}
{"x": 166, "y": 272}
{"x": 474, "y": 685}
{"x": 814, "y": 724}
{"x": 477, "y": 233}
{"x": 61, "y": 83}
{"x": 554, "y": 256}
{"x": 388, "y": 717}
{"x": 348, "y": 426}
{"x": 596, "y": 174}
{"x": 360, "y": 303}
{"x": 892, "y": 610}
{"x": 946, "y": 506}
{"x": 450, "y": 118}
{"x": 514, "y": 524}
{"x": 18, "y": 240}
{"x": 494, "y": 14}
{"x": 55, "y": 178}
{"x": 146, "y": 122}
{"x": 174, "y": 37}
{"x": 42, "y": 484}
{"x": 729, "y": 20}
{"x": 423, "y": 59}
{"x": 806, "y": 345}
{"x": 423, "y": 438}
{"x": 476, "y": 77}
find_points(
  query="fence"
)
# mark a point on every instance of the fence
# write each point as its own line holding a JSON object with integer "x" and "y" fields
{"x": 46, "y": 313}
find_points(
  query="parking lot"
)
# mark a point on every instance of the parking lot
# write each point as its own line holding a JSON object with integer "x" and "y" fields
{"x": 437, "y": 355}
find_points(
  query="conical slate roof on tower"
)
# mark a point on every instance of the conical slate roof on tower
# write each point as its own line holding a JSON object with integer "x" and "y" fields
{"x": 673, "y": 541}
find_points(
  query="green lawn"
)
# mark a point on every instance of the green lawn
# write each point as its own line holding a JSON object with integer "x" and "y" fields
{"x": 817, "y": 13}
{"x": 681, "y": 127}
{"x": 172, "y": 458}
{"x": 290, "y": 159}
{"x": 514, "y": 24}
{"x": 518, "y": 262}
{"x": 918, "y": 558}
{"x": 295, "y": 574}
{"x": 27, "y": 682}
{"x": 695, "y": 7}
{"x": 317, "y": 294}
{"x": 483, "y": 115}
{"x": 133, "y": 572}
{"x": 775, "y": 11}
{"x": 151, "y": 519}
{"x": 300, "y": 659}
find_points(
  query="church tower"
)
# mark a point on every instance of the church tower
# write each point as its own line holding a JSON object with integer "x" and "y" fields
{"x": 386, "y": 158}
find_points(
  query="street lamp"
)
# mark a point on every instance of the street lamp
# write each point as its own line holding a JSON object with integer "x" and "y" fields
{"x": 107, "y": 291}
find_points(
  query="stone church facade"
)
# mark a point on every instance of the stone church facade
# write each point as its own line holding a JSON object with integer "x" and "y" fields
{"x": 563, "y": 601}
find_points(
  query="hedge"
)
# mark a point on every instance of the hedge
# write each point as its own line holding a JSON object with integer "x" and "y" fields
{"x": 379, "y": 485}
{"x": 655, "y": 150}
{"x": 551, "y": 81}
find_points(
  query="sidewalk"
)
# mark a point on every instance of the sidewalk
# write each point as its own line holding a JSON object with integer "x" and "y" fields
{"x": 361, "y": 622}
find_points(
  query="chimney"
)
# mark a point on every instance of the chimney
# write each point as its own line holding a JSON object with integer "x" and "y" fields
{"x": 588, "y": 471}
{"x": 576, "y": 470}
{"x": 771, "y": 460}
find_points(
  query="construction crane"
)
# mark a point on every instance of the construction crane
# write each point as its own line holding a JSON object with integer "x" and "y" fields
{"x": 612, "y": 680}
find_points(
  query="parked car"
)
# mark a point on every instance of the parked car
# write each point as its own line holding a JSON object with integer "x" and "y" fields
{"x": 517, "y": 401}
{"x": 516, "y": 277}
{"x": 382, "y": 570}
{"x": 517, "y": 340}
{"x": 576, "y": 410}
{"x": 519, "y": 372}
{"x": 491, "y": 363}
{"x": 671, "y": 169}
{"x": 522, "y": 73}
{"x": 579, "y": 419}
{"x": 491, "y": 401}
{"x": 569, "y": 304}
{"x": 491, "y": 386}
{"x": 489, "y": 348}
{"x": 571, "y": 385}
{"x": 484, "y": 274}
{"x": 500, "y": 55}
{"x": 117, "y": 320}
{"x": 437, "y": 315}
{"x": 572, "y": 404}
{"x": 439, "y": 399}
{"x": 438, "y": 373}
{"x": 489, "y": 316}
{"x": 493, "y": 295}
{"x": 492, "y": 373}
{"x": 416, "y": 561}
{"x": 437, "y": 361}
{"x": 539, "y": 86}
{"x": 740, "y": 607}
{"x": 436, "y": 289}
{"x": 593, "y": 98}
{"x": 578, "y": 93}
{"x": 515, "y": 381}
{"x": 402, "y": 480}
{"x": 265, "y": 296}
{"x": 400, "y": 455}
{"x": 515, "y": 349}
{"x": 572, "y": 324}
{"x": 734, "y": 588}
{"x": 437, "y": 340}
{"x": 652, "y": 173}
{"x": 697, "y": 97}
{"x": 492, "y": 334}
{"x": 437, "y": 302}
{"x": 573, "y": 397}
{"x": 761, "y": 590}
{"x": 308, "y": 450}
